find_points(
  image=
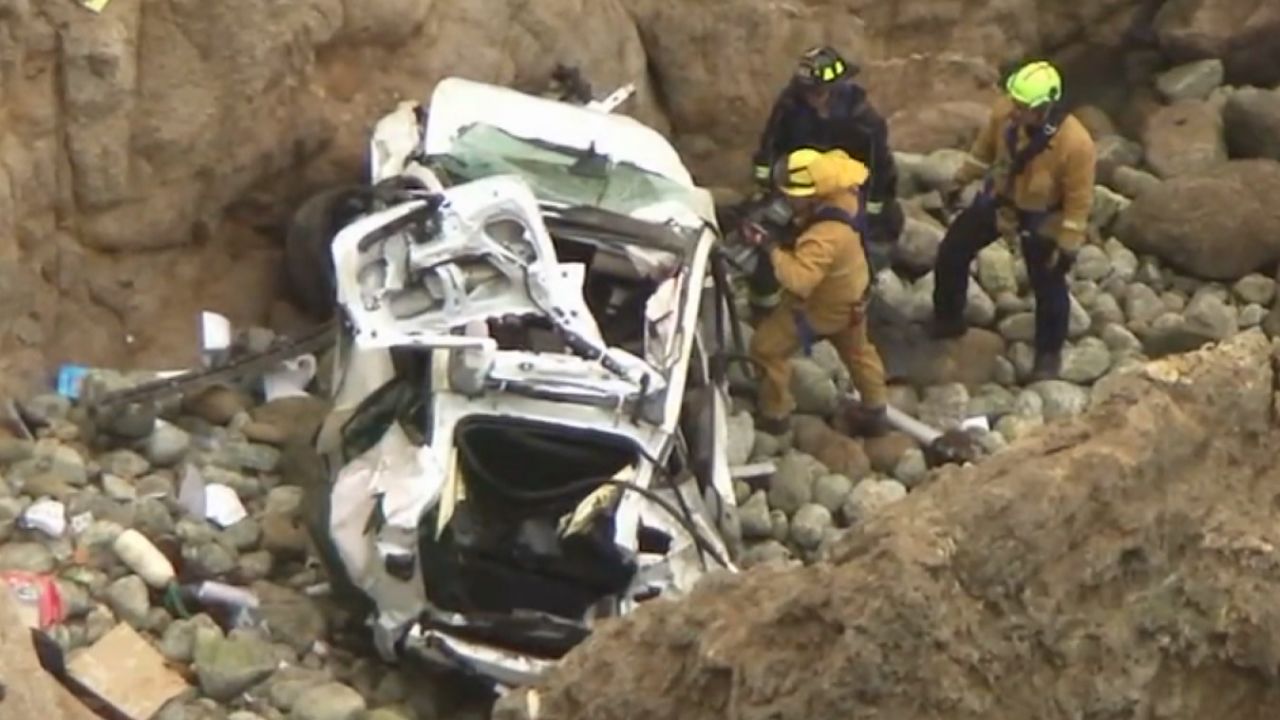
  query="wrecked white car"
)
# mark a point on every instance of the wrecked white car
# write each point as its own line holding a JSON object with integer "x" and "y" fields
{"x": 528, "y": 430}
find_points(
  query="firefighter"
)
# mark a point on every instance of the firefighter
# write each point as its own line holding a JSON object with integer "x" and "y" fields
{"x": 824, "y": 109}
{"x": 1038, "y": 165}
{"x": 826, "y": 280}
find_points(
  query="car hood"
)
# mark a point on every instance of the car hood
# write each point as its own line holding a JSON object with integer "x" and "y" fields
{"x": 457, "y": 103}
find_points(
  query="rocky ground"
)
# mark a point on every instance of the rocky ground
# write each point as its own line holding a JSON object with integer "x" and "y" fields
{"x": 1173, "y": 263}
{"x": 298, "y": 656}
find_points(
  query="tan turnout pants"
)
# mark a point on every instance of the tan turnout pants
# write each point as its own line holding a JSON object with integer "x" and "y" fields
{"x": 777, "y": 339}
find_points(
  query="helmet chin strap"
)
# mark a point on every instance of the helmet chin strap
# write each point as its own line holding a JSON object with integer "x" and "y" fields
{"x": 1050, "y": 123}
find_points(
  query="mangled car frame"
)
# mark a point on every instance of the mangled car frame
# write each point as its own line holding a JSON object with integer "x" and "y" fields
{"x": 528, "y": 430}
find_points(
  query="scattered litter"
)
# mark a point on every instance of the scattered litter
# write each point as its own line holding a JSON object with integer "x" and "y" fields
{"x": 215, "y": 337}
{"x": 143, "y": 558}
{"x": 30, "y": 666}
{"x": 977, "y": 422}
{"x": 211, "y": 591}
{"x": 222, "y": 505}
{"x": 39, "y": 602}
{"x": 81, "y": 522}
{"x": 191, "y": 494}
{"x": 126, "y": 672}
{"x": 290, "y": 379}
{"x": 47, "y": 516}
{"x": 240, "y": 604}
{"x": 71, "y": 379}
{"x": 212, "y": 501}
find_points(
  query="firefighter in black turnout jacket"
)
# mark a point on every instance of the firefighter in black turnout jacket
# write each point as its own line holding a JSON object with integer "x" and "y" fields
{"x": 822, "y": 108}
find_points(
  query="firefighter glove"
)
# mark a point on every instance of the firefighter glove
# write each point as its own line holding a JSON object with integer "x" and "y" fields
{"x": 1071, "y": 236}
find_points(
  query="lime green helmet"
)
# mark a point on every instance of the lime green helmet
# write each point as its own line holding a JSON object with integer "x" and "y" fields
{"x": 1035, "y": 84}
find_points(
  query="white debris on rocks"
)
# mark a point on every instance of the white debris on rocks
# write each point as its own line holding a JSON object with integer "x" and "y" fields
{"x": 241, "y": 665}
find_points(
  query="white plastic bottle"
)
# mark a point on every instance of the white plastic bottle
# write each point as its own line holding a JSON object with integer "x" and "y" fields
{"x": 142, "y": 557}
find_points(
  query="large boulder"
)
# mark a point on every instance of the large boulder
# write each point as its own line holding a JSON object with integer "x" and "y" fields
{"x": 1138, "y": 535}
{"x": 1252, "y": 121}
{"x": 1192, "y": 81}
{"x": 1185, "y": 138}
{"x": 910, "y": 355}
{"x": 1221, "y": 225}
{"x": 952, "y": 124}
{"x": 1245, "y": 34}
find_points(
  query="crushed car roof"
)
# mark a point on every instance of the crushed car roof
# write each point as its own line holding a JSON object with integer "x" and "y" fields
{"x": 458, "y": 105}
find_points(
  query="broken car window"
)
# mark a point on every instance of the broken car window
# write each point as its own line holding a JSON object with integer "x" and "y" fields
{"x": 568, "y": 176}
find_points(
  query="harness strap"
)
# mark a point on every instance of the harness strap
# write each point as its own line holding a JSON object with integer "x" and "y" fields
{"x": 858, "y": 222}
{"x": 1029, "y": 221}
{"x": 804, "y": 331}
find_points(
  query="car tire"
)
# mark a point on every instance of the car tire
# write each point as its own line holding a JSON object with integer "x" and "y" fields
{"x": 308, "y": 262}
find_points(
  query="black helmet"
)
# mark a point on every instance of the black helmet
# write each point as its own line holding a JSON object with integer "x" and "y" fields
{"x": 823, "y": 65}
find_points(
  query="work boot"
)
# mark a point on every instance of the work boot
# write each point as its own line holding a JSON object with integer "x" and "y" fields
{"x": 774, "y": 426}
{"x": 947, "y": 328}
{"x": 867, "y": 421}
{"x": 1047, "y": 367}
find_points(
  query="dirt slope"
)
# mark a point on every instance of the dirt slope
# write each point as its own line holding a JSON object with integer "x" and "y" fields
{"x": 1122, "y": 565}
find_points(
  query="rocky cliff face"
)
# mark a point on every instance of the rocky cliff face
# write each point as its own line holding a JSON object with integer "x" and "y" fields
{"x": 147, "y": 153}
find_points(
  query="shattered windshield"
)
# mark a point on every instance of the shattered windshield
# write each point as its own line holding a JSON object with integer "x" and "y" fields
{"x": 573, "y": 177}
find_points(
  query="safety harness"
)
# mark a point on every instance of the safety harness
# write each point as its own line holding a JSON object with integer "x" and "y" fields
{"x": 858, "y": 222}
{"x": 1029, "y": 221}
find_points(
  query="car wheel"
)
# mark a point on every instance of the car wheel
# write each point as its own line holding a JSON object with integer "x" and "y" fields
{"x": 308, "y": 262}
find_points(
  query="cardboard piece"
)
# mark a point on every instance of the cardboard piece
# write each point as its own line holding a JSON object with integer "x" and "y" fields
{"x": 29, "y": 691}
{"x": 126, "y": 672}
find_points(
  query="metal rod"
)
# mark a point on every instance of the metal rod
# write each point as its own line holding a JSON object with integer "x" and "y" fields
{"x": 920, "y": 432}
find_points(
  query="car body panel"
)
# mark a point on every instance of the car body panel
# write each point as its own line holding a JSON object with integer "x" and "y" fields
{"x": 437, "y": 270}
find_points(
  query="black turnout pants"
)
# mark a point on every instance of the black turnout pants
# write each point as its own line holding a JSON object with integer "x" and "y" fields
{"x": 974, "y": 229}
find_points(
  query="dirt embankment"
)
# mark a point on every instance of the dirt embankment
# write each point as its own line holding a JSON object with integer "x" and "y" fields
{"x": 1120, "y": 565}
